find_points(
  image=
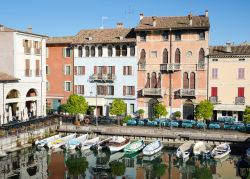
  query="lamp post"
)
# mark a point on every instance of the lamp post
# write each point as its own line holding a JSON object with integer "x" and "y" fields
{"x": 243, "y": 168}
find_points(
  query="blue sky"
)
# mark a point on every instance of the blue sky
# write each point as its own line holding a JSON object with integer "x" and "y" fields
{"x": 229, "y": 20}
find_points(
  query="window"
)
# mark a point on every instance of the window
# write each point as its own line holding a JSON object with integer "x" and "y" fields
{"x": 202, "y": 35}
{"x": 177, "y": 56}
{"x": 87, "y": 51}
{"x": 241, "y": 73}
{"x": 37, "y": 47}
{"x": 127, "y": 70}
{"x": 215, "y": 60}
{"x": 110, "y": 90}
{"x": 124, "y": 50}
{"x": 185, "y": 81}
{"x": 192, "y": 80}
{"x": 132, "y": 108}
{"x": 165, "y": 35}
{"x": 101, "y": 90}
{"x": 100, "y": 51}
{"x": 67, "y": 70}
{"x": 143, "y": 54}
{"x": 214, "y": 73}
{"x": 132, "y": 50}
{"x": 47, "y": 69}
{"x": 79, "y": 70}
{"x": 93, "y": 51}
{"x": 67, "y": 86}
{"x": 201, "y": 56}
{"x": 153, "y": 80}
{"x": 80, "y": 51}
{"x": 79, "y": 89}
{"x": 241, "y": 92}
{"x": 38, "y": 72}
{"x": 27, "y": 46}
{"x": 110, "y": 51}
{"x": 177, "y": 35}
{"x": 117, "y": 51}
{"x": 27, "y": 68}
{"x": 165, "y": 56}
{"x": 214, "y": 91}
{"x": 143, "y": 36}
{"x": 128, "y": 90}
{"x": 153, "y": 54}
{"x": 68, "y": 52}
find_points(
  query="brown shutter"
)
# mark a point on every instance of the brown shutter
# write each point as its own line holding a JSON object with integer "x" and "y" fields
{"x": 124, "y": 70}
{"x": 113, "y": 69}
{"x": 37, "y": 67}
{"x": 95, "y": 69}
{"x": 83, "y": 70}
{"x": 75, "y": 70}
{"x": 133, "y": 90}
{"x": 27, "y": 67}
{"x": 104, "y": 70}
{"x": 185, "y": 81}
{"x": 124, "y": 90}
{"x": 192, "y": 80}
{"x": 130, "y": 70}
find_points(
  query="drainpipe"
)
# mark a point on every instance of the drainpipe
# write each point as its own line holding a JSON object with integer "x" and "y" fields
{"x": 170, "y": 79}
{"x": 207, "y": 76}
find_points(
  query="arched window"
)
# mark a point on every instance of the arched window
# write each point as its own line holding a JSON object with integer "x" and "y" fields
{"x": 87, "y": 51}
{"x": 177, "y": 56}
{"x": 124, "y": 50}
{"x": 92, "y": 51}
{"x": 100, "y": 51}
{"x": 165, "y": 56}
{"x": 201, "y": 56}
{"x": 117, "y": 51}
{"x": 110, "y": 51}
{"x": 143, "y": 55}
{"x": 80, "y": 51}
{"x": 185, "y": 80}
{"x": 148, "y": 81}
{"x": 153, "y": 80}
{"x": 159, "y": 81}
{"x": 192, "y": 80}
{"x": 132, "y": 50}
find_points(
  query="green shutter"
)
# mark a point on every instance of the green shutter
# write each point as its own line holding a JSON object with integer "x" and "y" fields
{"x": 71, "y": 53}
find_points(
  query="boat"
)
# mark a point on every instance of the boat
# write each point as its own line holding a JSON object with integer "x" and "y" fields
{"x": 3, "y": 153}
{"x": 102, "y": 144}
{"x": 76, "y": 142}
{"x": 152, "y": 148}
{"x": 60, "y": 142}
{"x": 202, "y": 149}
{"x": 184, "y": 150}
{"x": 43, "y": 143}
{"x": 89, "y": 143}
{"x": 117, "y": 144}
{"x": 134, "y": 147}
{"x": 151, "y": 157}
{"x": 248, "y": 153}
{"x": 221, "y": 151}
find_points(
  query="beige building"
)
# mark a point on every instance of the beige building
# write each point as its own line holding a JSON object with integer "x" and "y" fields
{"x": 229, "y": 80}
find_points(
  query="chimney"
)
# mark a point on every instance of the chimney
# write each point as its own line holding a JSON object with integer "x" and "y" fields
{"x": 119, "y": 25}
{"x": 1, "y": 27}
{"x": 141, "y": 16}
{"x": 154, "y": 21}
{"x": 228, "y": 47}
{"x": 190, "y": 18}
{"x": 206, "y": 13}
{"x": 29, "y": 29}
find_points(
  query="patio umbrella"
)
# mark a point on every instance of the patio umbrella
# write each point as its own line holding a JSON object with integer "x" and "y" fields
{"x": 10, "y": 113}
{"x": 25, "y": 114}
{"x": 34, "y": 109}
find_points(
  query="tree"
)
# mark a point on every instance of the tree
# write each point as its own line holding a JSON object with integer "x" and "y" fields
{"x": 177, "y": 114}
{"x": 247, "y": 115}
{"x": 159, "y": 169}
{"x": 160, "y": 110}
{"x": 141, "y": 113}
{"x": 76, "y": 166}
{"x": 204, "y": 111}
{"x": 118, "y": 108}
{"x": 203, "y": 173}
{"x": 118, "y": 168}
{"x": 76, "y": 105}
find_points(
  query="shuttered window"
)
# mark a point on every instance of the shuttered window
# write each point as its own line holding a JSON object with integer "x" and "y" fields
{"x": 165, "y": 56}
{"x": 201, "y": 56}
{"x": 27, "y": 68}
{"x": 241, "y": 92}
{"x": 192, "y": 80}
{"x": 79, "y": 70}
{"x": 128, "y": 90}
{"x": 214, "y": 73}
{"x": 80, "y": 51}
{"x": 117, "y": 51}
{"x": 177, "y": 56}
{"x": 214, "y": 91}
{"x": 153, "y": 80}
{"x": 127, "y": 70}
{"x": 110, "y": 51}
{"x": 37, "y": 67}
{"x": 87, "y": 51}
{"x": 241, "y": 73}
{"x": 93, "y": 51}
{"x": 124, "y": 50}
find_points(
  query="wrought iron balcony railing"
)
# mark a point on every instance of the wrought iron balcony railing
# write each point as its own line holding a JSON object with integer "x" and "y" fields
{"x": 213, "y": 99}
{"x": 151, "y": 92}
{"x": 170, "y": 67}
{"x": 240, "y": 100}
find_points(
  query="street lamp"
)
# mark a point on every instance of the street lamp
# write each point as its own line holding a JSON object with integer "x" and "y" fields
{"x": 91, "y": 92}
{"x": 243, "y": 168}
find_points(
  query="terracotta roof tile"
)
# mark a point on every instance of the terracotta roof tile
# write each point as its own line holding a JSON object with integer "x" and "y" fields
{"x": 7, "y": 77}
{"x": 60, "y": 40}
{"x": 235, "y": 50}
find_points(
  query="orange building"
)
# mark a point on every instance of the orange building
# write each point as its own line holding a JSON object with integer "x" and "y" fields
{"x": 59, "y": 71}
{"x": 172, "y": 62}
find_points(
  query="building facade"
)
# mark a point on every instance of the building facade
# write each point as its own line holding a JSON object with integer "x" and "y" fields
{"x": 105, "y": 67}
{"x": 229, "y": 80}
{"x": 59, "y": 71}
{"x": 23, "y": 56}
{"x": 172, "y": 62}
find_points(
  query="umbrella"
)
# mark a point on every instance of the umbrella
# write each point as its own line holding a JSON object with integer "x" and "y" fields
{"x": 34, "y": 108}
{"x": 10, "y": 113}
{"x": 25, "y": 114}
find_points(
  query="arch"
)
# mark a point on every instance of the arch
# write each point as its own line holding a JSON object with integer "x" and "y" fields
{"x": 177, "y": 56}
{"x": 92, "y": 51}
{"x": 188, "y": 110}
{"x": 100, "y": 51}
{"x": 192, "y": 80}
{"x": 185, "y": 80}
{"x": 151, "y": 103}
{"x": 13, "y": 94}
{"x": 201, "y": 56}
{"x": 80, "y": 51}
{"x": 143, "y": 54}
{"x": 132, "y": 50}
{"x": 87, "y": 51}
{"x": 110, "y": 51}
{"x": 165, "y": 56}
{"x": 153, "y": 80}
{"x": 148, "y": 81}
{"x": 159, "y": 81}
{"x": 124, "y": 50}
{"x": 31, "y": 93}
{"x": 117, "y": 51}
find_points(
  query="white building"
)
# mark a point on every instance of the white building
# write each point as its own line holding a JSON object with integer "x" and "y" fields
{"x": 105, "y": 67}
{"x": 22, "y": 55}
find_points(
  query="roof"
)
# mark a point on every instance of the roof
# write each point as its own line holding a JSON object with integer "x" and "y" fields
{"x": 173, "y": 22}
{"x": 116, "y": 35}
{"x": 235, "y": 50}
{"x": 6, "y": 77}
{"x": 7, "y": 29}
{"x": 60, "y": 40}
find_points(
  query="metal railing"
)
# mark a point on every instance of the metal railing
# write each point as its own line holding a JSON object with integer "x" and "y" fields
{"x": 170, "y": 67}
{"x": 239, "y": 100}
{"x": 151, "y": 92}
{"x": 27, "y": 50}
{"x": 102, "y": 77}
{"x": 200, "y": 66}
{"x": 213, "y": 99}
{"x": 187, "y": 92}
{"x": 37, "y": 51}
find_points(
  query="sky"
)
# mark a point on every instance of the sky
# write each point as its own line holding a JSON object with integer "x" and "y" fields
{"x": 229, "y": 19}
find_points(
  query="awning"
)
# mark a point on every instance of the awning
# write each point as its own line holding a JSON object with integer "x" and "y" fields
{"x": 229, "y": 107}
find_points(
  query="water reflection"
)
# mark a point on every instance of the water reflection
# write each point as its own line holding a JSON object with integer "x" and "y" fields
{"x": 30, "y": 163}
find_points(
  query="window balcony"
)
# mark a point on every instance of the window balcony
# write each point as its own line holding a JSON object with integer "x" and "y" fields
{"x": 37, "y": 51}
{"x": 200, "y": 66}
{"x": 185, "y": 93}
{"x": 170, "y": 67}
{"x": 27, "y": 50}
{"x": 240, "y": 100}
{"x": 151, "y": 92}
{"x": 213, "y": 99}
{"x": 102, "y": 78}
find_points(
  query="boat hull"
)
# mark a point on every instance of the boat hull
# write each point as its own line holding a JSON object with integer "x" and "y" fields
{"x": 134, "y": 147}
{"x": 113, "y": 149}
{"x": 153, "y": 150}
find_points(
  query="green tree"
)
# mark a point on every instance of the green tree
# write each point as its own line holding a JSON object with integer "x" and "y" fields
{"x": 117, "y": 168}
{"x": 204, "y": 111}
{"x": 159, "y": 169}
{"x": 177, "y": 114}
{"x": 203, "y": 173}
{"x": 160, "y": 110}
{"x": 76, "y": 166}
{"x": 141, "y": 113}
{"x": 247, "y": 115}
{"x": 118, "y": 108}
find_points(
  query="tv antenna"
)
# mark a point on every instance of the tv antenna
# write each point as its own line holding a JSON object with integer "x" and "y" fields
{"x": 103, "y": 18}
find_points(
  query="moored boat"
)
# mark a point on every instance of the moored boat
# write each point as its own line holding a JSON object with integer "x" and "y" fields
{"x": 3, "y": 153}
{"x": 90, "y": 143}
{"x": 201, "y": 148}
{"x": 134, "y": 147}
{"x": 76, "y": 142}
{"x": 117, "y": 144}
{"x": 152, "y": 148}
{"x": 184, "y": 150}
{"x": 221, "y": 151}
{"x": 61, "y": 141}
{"x": 43, "y": 143}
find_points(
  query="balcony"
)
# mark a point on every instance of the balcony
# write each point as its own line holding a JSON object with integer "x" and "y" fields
{"x": 102, "y": 77}
{"x": 151, "y": 92}
{"x": 186, "y": 92}
{"x": 27, "y": 50}
{"x": 170, "y": 67}
{"x": 200, "y": 66}
{"x": 213, "y": 99}
{"x": 37, "y": 51}
{"x": 240, "y": 100}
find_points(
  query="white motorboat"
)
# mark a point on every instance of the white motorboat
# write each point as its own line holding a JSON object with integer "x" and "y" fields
{"x": 221, "y": 151}
{"x": 201, "y": 148}
{"x": 60, "y": 142}
{"x": 102, "y": 144}
{"x": 43, "y": 143}
{"x": 75, "y": 143}
{"x": 152, "y": 148}
{"x": 184, "y": 150}
{"x": 90, "y": 143}
{"x": 117, "y": 144}
{"x": 248, "y": 153}
{"x": 151, "y": 157}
